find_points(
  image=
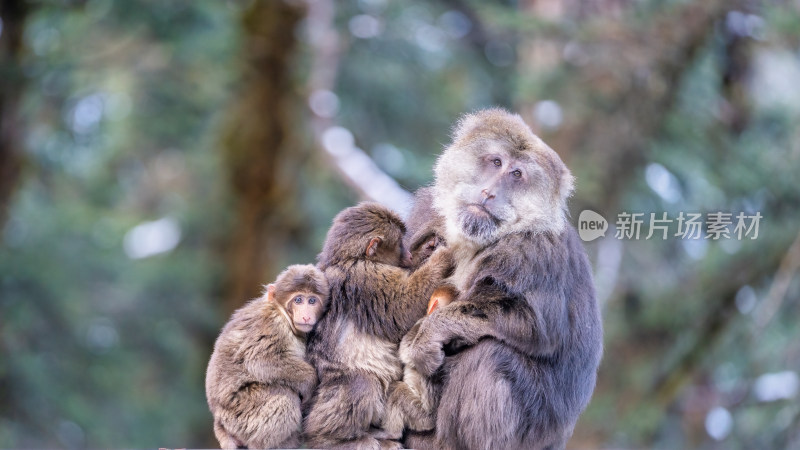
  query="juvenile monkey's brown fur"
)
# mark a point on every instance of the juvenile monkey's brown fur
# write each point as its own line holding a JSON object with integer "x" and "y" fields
{"x": 258, "y": 376}
{"x": 374, "y": 302}
{"x": 413, "y": 401}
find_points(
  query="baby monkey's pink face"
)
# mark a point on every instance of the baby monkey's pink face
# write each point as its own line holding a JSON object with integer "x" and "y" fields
{"x": 304, "y": 308}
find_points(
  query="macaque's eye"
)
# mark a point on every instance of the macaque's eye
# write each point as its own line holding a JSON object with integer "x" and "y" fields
{"x": 312, "y": 300}
{"x": 497, "y": 162}
{"x": 298, "y": 300}
{"x": 517, "y": 173}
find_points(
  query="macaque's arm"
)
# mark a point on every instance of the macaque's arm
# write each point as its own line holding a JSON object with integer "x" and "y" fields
{"x": 290, "y": 371}
{"x": 489, "y": 311}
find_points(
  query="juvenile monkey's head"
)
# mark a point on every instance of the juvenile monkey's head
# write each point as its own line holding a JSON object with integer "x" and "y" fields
{"x": 366, "y": 231}
{"x": 497, "y": 177}
{"x": 302, "y": 291}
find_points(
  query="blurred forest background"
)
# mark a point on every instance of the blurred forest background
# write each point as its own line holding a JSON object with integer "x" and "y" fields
{"x": 160, "y": 160}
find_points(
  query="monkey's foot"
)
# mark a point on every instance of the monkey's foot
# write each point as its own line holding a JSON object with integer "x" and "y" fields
{"x": 426, "y": 355}
{"x": 382, "y": 434}
{"x": 364, "y": 443}
{"x": 387, "y": 444}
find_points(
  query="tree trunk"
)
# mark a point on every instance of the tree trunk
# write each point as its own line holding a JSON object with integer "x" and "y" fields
{"x": 12, "y": 14}
{"x": 259, "y": 158}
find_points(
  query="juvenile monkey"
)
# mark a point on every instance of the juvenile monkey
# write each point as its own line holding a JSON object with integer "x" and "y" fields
{"x": 374, "y": 302}
{"x": 258, "y": 376}
{"x": 413, "y": 402}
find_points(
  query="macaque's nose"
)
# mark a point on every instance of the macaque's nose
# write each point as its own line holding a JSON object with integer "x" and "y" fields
{"x": 306, "y": 319}
{"x": 486, "y": 196}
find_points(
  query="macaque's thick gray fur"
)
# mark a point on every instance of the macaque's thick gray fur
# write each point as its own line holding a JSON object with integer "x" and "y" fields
{"x": 520, "y": 348}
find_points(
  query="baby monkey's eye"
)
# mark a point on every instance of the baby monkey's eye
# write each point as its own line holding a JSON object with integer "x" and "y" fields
{"x": 312, "y": 300}
{"x": 517, "y": 173}
{"x": 298, "y": 300}
{"x": 497, "y": 162}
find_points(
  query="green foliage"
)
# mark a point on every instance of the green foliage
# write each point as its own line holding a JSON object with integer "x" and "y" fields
{"x": 99, "y": 349}
{"x": 123, "y": 119}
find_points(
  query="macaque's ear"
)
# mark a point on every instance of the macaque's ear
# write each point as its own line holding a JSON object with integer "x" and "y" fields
{"x": 270, "y": 292}
{"x": 433, "y": 303}
{"x": 442, "y": 296}
{"x": 465, "y": 124}
{"x": 372, "y": 247}
{"x": 566, "y": 185}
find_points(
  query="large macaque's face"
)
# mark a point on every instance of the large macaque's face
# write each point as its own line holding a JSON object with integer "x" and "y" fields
{"x": 499, "y": 190}
{"x": 487, "y": 200}
{"x": 499, "y": 178}
{"x": 304, "y": 308}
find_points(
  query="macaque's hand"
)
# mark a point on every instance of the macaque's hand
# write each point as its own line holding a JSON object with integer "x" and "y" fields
{"x": 426, "y": 354}
{"x": 307, "y": 383}
{"x": 443, "y": 260}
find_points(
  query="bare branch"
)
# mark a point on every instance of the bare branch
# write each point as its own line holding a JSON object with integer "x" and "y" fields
{"x": 789, "y": 266}
{"x": 354, "y": 166}
{"x": 719, "y": 317}
{"x": 258, "y": 149}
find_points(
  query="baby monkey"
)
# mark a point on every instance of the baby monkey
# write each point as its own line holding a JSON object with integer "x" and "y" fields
{"x": 413, "y": 401}
{"x": 258, "y": 375}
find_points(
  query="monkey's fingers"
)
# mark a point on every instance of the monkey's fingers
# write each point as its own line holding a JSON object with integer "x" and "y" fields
{"x": 426, "y": 357}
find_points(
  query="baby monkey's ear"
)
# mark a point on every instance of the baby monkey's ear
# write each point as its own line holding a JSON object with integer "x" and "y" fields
{"x": 442, "y": 296}
{"x": 373, "y": 245}
{"x": 432, "y": 305}
{"x": 271, "y": 292}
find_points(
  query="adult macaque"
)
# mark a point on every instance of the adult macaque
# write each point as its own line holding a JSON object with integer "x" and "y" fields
{"x": 258, "y": 376}
{"x": 527, "y": 313}
{"x": 374, "y": 302}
